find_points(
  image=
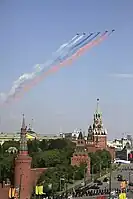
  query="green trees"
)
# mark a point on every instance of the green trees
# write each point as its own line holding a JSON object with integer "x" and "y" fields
{"x": 100, "y": 160}
{"x": 50, "y": 154}
{"x": 56, "y": 156}
{"x": 9, "y": 144}
{"x": 6, "y": 166}
{"x": 61, "y": 175}
{"x": 45, "y": 153}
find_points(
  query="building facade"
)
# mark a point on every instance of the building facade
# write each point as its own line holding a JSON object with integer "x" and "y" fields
{"x": 119, "y": 144}
{"x": 81, "y": 155}
{"x": 96, "y": 140}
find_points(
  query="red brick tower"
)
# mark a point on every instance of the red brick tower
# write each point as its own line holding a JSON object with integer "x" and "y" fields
{"x": 99, "y": 133}
{"x": 23, "y": 166}
{"x": 80, "y": 155}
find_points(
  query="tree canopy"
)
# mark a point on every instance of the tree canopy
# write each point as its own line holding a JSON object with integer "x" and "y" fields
{"x": 54, "y": 155}
{"x": 101, "y": 159}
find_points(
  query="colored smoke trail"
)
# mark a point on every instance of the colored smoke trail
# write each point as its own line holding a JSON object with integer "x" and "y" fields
{"x": 81, "y": 44}
{"x": 26, "y": 78}
{"x": 39, "y": 76}
{"x": 65, "y": 51}
{"x": 68, "y": 61}
{"x": 39, "y": 68}
{"x": 78, "y": 44}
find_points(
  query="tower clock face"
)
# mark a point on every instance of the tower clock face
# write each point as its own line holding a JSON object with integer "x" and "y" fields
{"x": 99, "y": 126}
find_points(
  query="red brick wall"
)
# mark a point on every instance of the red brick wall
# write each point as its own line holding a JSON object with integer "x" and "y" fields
{"x": 23, "y": 175}
{"x": 4, "y": 190}
{"x": 112, "y": 152}
{"x": 35, "y": 174}
{"x": 102, "y": 142}
{"x": 80, "y": 158}
{"x": 91, "y": 148}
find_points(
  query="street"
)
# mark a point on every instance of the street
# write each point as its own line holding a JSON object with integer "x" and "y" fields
{"x": 126, "y": 171}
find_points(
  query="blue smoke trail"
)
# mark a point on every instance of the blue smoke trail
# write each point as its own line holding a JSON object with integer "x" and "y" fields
{"x": 67, "y": 53}
{"x": 81, "y": 44}
{"x": 68, "y": 43}
{"x": 83, "y": 40}
{"x": 79, "y": 38}
{"x": 22, "y": 80}
{"x": 26, "y": 77}
{"x": 76, "y": 47}
{"x": 57, "y": 54}
{"x": 67, "y": 48}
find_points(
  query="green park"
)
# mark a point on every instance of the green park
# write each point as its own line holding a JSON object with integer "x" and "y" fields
{"x": 55, "y": 155}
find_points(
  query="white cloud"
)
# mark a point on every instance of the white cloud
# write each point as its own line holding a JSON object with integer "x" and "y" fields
{"x": 123, "y": 75}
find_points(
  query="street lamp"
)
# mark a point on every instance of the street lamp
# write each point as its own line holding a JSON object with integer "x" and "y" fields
{"x": 74, "y": 175}
{"x": 92, "y": 169}
{"x": 110, "y": 180}
{"x": 100, "y": 168}
{"x": 66, "y": 185}
{"x": 61, "y": 179}
{"x": 129, "y": 179}
{"x": 85, "y": 176}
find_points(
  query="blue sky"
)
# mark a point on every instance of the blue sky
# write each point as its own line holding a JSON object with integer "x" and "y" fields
{"x": 31, "y": 30}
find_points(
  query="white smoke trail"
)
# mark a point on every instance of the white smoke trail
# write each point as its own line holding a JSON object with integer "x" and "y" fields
{"x": 57, "y": 54}
{"x": 38, "y": 68}
{"x": 78, "y": 39}
{"x": 65, "y": 53}
{"x": 66, "y": 44}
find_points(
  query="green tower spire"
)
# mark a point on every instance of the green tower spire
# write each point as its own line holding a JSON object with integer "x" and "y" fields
{"x": 23, "y": 141}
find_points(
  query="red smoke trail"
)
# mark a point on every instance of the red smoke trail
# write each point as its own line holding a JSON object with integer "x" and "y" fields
{"x": 65, "y": 62}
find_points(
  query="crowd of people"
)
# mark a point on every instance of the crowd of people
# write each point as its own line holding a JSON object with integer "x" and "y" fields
{"x": 87, "y": 192}
{"x": 81, "y": 192}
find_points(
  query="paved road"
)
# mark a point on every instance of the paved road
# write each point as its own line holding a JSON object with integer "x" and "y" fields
{"x": 126, "y": 172}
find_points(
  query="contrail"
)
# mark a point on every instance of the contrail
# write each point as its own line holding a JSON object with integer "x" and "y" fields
{"x": 122, "y": 75}
{"x": 74, "y": 39}
{"x": 27, "y": 77}
{"x": 81, "y": 44}
{"x": 68, "y": 61}
{"x": 78, "y": 44}
{"x": 39, "y": 68}
{"x": 38, "y": 75}
{"x": 65, "y": 53}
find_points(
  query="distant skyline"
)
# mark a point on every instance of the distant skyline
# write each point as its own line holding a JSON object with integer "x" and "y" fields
{"x": 32, "y": 30}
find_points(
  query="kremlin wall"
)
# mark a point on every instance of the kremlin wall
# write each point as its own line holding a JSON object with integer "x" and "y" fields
{"x": 95, "y": 140}
{"x": 25, "y": 177}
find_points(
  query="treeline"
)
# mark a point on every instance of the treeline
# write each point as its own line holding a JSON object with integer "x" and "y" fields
{"x": 45, "y": 153}
{"x": 56, "y": 156}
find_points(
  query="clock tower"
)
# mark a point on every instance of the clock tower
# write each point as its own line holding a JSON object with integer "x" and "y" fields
{"x": 99, "y": 136}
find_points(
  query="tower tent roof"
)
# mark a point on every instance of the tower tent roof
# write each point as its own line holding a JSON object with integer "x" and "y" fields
{"x": 90, "y": 127}
{"x": 80, "y": 137}
{"x": 23, "y": 123}
{"x": 23, "y": 141}
{"x": 98, "y": 109}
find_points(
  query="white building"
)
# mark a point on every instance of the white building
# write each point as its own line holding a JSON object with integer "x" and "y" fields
{"x": 119, "y": 144}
